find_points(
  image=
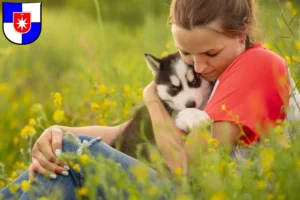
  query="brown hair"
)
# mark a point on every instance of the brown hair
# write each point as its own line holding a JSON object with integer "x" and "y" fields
{"x": 233, "y": 16}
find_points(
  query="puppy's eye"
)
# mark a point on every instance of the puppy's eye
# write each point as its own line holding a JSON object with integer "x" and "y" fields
{"x": 194, "y": 82}
{"x": 174, "y": 88}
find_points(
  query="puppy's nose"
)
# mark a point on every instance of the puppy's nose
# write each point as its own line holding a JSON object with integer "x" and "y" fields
{"x": 190, "y": 104}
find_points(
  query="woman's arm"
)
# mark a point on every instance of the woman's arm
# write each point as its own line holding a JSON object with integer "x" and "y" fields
{"x": 174, "y": 150}
{"x": 167, "y": 136}
{"x": 108, "y": 134}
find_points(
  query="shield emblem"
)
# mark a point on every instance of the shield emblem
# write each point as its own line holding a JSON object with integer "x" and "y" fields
{"x": 22, "y": 22}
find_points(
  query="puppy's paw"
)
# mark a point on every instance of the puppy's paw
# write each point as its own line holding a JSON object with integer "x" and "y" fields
{"x": 191, "y": 118}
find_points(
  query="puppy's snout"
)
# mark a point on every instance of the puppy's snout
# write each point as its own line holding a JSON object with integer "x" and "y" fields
{"x": 190, "y": 104}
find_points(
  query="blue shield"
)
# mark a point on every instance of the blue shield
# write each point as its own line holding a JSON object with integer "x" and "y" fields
{"x": 22, "y": 22}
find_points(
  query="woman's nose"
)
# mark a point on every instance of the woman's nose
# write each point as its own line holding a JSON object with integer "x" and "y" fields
{"x": 200, "y": 66}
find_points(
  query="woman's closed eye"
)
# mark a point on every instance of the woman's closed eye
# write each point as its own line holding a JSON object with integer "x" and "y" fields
{"x": 212, "y": 54}
{"x": 209, "y": 54}
{"x": 185, "y": 53}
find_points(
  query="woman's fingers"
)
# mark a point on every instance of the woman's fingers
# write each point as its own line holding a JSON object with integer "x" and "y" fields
{"x": 31, "y": 173}
{"x": 46, "y": 150}
{"x": 56, "y": 140}
{"x": 37, "y": 167}
{"x": 52, "y": 167}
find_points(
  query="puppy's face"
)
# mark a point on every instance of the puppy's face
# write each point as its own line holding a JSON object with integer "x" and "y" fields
{"x": 177, "y": 83}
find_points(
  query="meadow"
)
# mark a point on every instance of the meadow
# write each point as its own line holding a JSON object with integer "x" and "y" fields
{"x": 89, "y": 69}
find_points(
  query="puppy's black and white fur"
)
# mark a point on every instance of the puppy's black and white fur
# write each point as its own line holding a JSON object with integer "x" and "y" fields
{"x": 179, "y": 87}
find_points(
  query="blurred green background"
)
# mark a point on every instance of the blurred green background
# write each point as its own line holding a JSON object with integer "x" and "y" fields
{"x": 87, "y": 67}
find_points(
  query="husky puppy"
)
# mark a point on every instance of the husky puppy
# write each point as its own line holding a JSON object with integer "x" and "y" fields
{"x": 178, "y": 87}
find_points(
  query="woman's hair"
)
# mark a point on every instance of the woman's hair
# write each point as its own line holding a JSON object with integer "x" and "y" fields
{"x": 233, "y": 16}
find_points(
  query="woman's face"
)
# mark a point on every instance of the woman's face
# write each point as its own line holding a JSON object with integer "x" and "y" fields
{"x": 209, "y": 51}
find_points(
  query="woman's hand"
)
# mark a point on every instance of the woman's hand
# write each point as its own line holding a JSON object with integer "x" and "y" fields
{"x": 150, "y": 93}
{"x": 43, "y": 155}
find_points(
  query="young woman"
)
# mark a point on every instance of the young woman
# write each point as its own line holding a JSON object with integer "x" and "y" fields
{"x": 251, "y": 93}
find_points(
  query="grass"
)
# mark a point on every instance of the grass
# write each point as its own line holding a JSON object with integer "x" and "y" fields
{"x": 82, "y": 72}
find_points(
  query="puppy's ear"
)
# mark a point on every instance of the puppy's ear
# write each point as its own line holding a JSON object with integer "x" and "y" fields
{"x": 153, "y": 63}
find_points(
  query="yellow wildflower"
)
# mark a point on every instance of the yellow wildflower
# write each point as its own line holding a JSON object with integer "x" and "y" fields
{"x": 4, "y": 87}
{"x": 213, "y": 142}
{"x": 76, "y": 167}
{"x": 36, "y": 108}
{"x": 95, "y": 106}
{"x": 92, "y": 92}
{"x": 42, "y": 198}
{"x": 126, "y": 88}
{"x": 14, "y": 175}
{"x": 154, "y": 157}
{"x": 140, "y": 172}
{"x": 281, "y": 197}
{"x": 267, "y": 46}
{"x": 13, "y": 188}
{"x": 102, "y": 89}
{"x": 298, "y": 46}
{"x": 32, "y": 122}
{"x": 218, "y": 196}
{"x": 16, "y": 140}
{"x": 267, "y": 159}
{"x": 294, "y": 12}
{"x": 83, "y": 191}
{"x": 232, "y": 165}
{"x": 21, "y": 165}
{"x": 58, "y": 115}
{"x": 261, "y": 185}
{"x": 25, "y": 185}
{"x": 286, "y": 147}
{"x": 109, "y": 104}
{"x": 222, "y": 168}
{"x": 270, "y": 197}
{"x": 101, "y": 121}
{"x": 280, "y": 23}
{"x": 71, "y": 163}
{"x": 28, "y": 130}
{"x": 178, "y": 171}
{"x": 267, "y": 141}
{"x": 288, "y": 59}
{"x": 294, "y": 59}
{"x": 279, "y": 129}
{"x": 164, "y": 53}
{"x": 2, "y": 184}
{"x": 57, "y": 99}
{"x": 84, "y": 159}
{"x": 153, "y": 191}
{"x": 289, "y": 4}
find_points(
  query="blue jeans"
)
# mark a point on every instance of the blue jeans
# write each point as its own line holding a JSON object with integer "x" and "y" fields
{"x": 76, "y": 179}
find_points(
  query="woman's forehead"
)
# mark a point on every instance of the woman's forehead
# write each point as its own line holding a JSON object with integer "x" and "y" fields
{"x": 202, "y": 38}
